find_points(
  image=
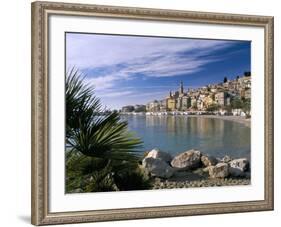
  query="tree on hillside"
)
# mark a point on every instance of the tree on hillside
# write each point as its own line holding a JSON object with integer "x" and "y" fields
{"x": 236, "y": 103}
{"x": 247, "y": 107}
{"x": 213, "y": 107}
{"x": 225, "y": 79}
{"x": 247, "y": 74}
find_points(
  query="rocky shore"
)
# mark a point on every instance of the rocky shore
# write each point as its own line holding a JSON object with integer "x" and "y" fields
{"x": 192, "y": 168}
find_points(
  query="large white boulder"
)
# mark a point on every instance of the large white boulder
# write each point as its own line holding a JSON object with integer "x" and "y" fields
{"x": 156, "y": 153}
{"x": 221, "y": 170}
{"x": 187, "y": 160}
{"x": 238, "y": 167}
{"x": 157, "y": 167}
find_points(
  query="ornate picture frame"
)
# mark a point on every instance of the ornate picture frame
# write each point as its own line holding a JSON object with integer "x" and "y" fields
{"x": 41, "y": 12}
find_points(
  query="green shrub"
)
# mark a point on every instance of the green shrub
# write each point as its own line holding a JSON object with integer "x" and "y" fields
{"x": 101, "y": 181}
{"x": 99, "y": 143}
{"x": 134, "y": 179}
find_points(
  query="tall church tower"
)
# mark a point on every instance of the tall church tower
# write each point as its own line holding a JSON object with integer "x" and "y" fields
{"x": 181, "y": 88}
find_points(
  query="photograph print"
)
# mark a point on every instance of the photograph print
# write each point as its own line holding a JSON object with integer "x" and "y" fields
{"x": 153, "y": 113}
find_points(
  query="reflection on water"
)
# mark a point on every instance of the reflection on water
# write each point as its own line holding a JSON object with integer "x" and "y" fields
{"x": 176, "y": 134}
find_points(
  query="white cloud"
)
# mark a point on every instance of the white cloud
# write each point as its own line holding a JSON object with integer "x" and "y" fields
{"x": 116, "y": 93}
{"x": 101, "y": 82}
{"x": 91, "y": 51}
{"x": 124, "y": 57}
{"x": 167, "y": 66}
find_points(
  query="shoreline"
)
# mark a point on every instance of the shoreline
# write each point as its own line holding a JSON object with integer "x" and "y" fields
{"x": 192, "y": 169}
{"x": 199, "y": 178}
{"x": 237, "y": 119}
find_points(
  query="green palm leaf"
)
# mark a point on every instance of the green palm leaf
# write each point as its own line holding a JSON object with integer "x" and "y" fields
{"x": 92, "y": 131}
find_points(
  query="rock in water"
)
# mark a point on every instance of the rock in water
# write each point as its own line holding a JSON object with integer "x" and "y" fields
{"x": 156, "y": 153}
{"x": 237, "y": 167}
{"x": 226, "y": 159}
{"x": 208, "y": 160}
{"x": 220, "y": 170}
{"x": 187, "y": 160}
{"x": 157, "y": 167}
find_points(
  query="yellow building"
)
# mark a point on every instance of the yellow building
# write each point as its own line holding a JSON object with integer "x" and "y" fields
{"x": 208, "y": 101}
{"x": 171, "y": 104}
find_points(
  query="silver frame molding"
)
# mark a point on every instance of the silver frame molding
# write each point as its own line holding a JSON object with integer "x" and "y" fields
{"x": 40, "y": 192}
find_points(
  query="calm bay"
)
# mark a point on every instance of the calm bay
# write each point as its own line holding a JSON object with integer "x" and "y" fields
{"x": 176, "y": 134}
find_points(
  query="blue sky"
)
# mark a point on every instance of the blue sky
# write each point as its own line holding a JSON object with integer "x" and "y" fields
{"x": 128, "y": 70}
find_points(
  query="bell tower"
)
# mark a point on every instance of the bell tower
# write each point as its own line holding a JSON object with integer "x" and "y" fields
{"x": 181, "y": 87}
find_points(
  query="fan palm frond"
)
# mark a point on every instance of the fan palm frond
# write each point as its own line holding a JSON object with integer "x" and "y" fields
{"x": 90, "y": 130}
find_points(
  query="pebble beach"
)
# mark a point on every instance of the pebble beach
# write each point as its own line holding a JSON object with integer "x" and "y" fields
{"x": 194, "y": 180}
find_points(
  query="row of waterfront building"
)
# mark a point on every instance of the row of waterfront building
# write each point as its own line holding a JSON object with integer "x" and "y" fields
{"x": 199, "y": 99}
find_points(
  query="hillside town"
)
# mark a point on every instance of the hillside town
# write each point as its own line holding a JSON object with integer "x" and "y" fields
{"x": 230, "y": 97}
